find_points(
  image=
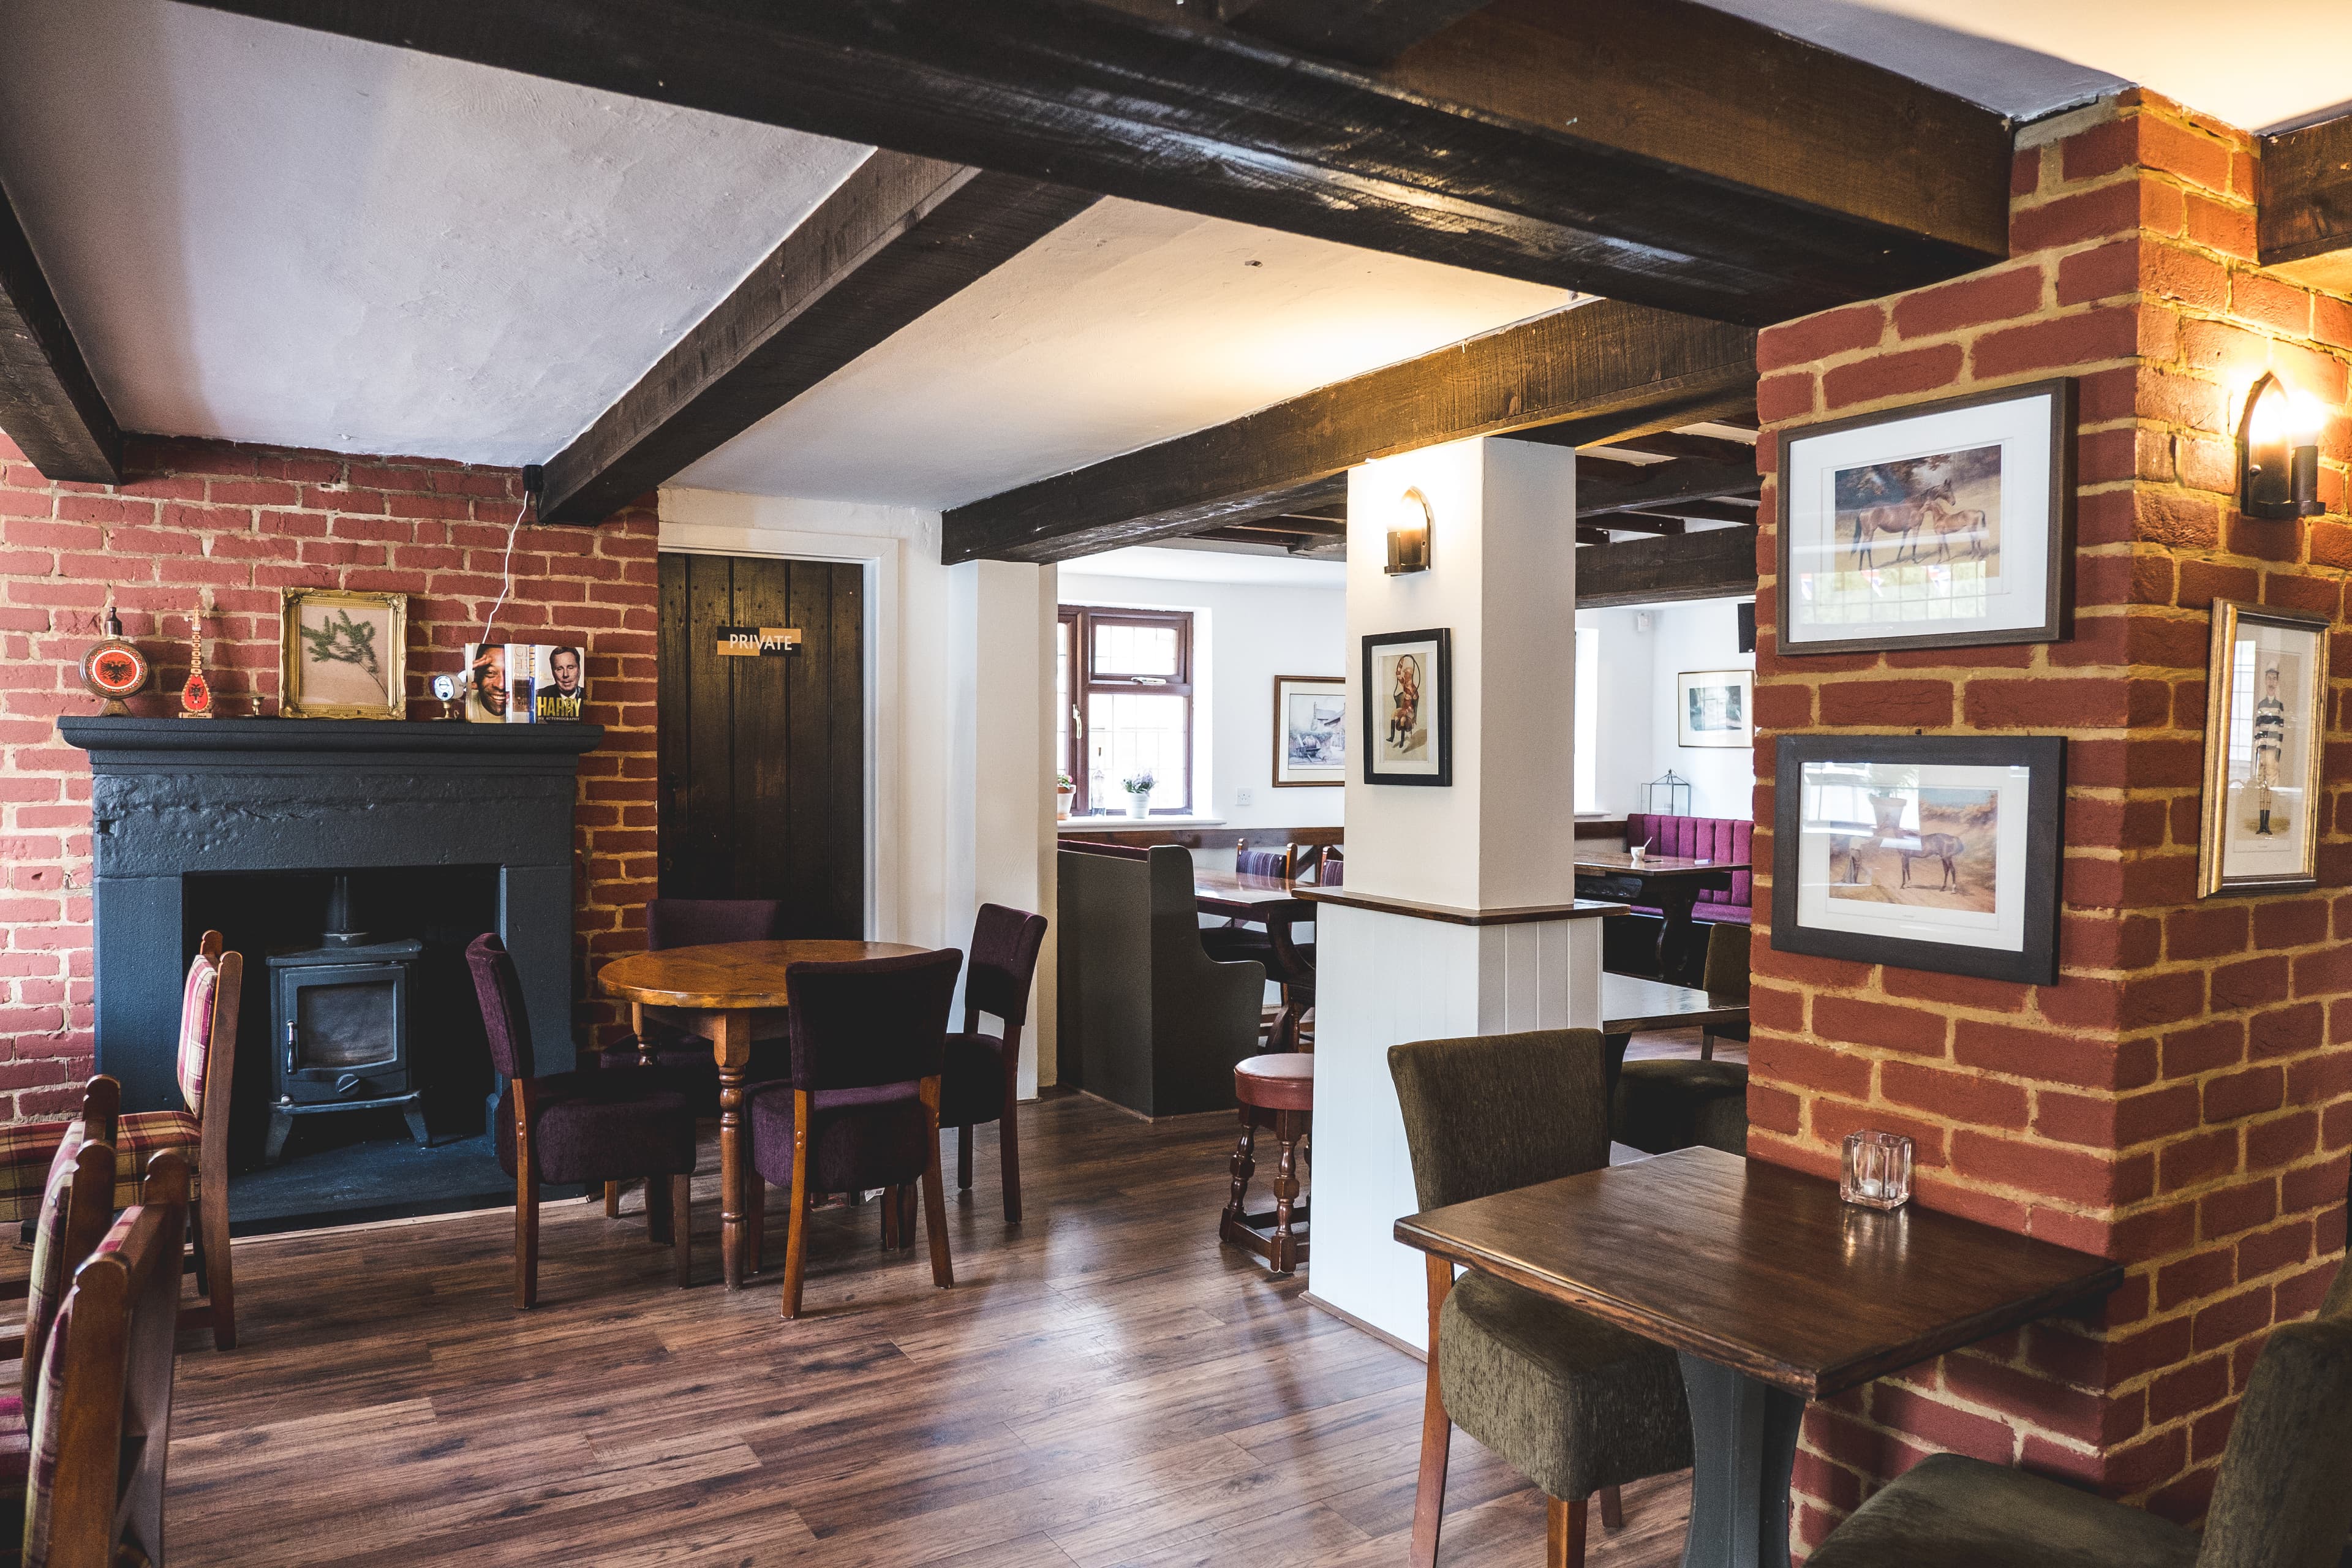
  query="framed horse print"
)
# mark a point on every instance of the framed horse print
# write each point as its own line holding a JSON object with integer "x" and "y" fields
{"x": 1408, "y": 710}
{"x": 1943, "y": 524}
{"x": 1935, "y": 852}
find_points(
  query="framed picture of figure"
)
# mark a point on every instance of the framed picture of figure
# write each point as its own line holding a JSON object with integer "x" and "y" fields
{"x": 1409, "y": 708}
{"x": 2266, "y": 725}
{"x": 1944, "y": 524}
{"x": 343, "y": 655}
{"x": 1926, "y": 852}
{"x": 1310, "y": 730}
{"x": 1715, "y": 708}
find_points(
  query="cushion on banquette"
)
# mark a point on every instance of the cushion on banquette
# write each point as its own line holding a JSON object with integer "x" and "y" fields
{"x": 1702, "y": 838}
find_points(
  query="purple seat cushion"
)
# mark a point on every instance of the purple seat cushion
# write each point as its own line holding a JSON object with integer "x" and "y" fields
{"x": 972, "y": 1089}
{"x": 602, "y": 1127}
{"x": 870, "y": 1137}
{"x": 1702, "y": 838}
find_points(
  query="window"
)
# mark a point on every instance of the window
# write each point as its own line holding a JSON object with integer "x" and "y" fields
{"x": 1587, "y": 720}
{"x": 1124, "y": 680}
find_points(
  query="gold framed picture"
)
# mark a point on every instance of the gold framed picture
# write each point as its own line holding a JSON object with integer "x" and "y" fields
{"x": 343, "y": 655}
{"x": 2266, "y": 729}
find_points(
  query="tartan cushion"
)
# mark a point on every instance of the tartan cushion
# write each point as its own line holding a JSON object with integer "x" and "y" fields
{"x": 45, "y": 1286}
{"x": 29, "y": 1152}
{"x": 140, "y": 1136}
{"x": 197, "y": 1029}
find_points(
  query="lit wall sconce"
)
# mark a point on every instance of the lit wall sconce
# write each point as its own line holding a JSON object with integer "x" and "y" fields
{"x": 2278, "y": 453}
{"x": 1409, "y": 539}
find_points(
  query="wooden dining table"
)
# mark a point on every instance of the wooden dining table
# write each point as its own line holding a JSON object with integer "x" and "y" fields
{"x": 1670, "y": 884}
{"x": 1274, "y": 902}
{"x": 1772, "y": 1291}
{"x": 720, "y": 988}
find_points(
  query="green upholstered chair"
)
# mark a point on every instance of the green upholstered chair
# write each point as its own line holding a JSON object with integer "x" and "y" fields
{"x": 1577, "y": 1405}
{"x": 1665, "y": 1103}
{"x": 2282, "y": 1499}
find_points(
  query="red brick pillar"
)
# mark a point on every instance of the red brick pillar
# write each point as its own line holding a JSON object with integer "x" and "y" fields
{"x": 2174, "y": 1101}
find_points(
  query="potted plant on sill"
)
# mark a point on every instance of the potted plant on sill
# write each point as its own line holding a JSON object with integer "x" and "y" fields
{"x": 1064, "y": 792}
{"x": 1138, "y": 787}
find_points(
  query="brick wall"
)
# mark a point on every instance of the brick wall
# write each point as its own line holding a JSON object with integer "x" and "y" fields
{"x": 2176, "y": 1101}
{"x": 246, "y": 522}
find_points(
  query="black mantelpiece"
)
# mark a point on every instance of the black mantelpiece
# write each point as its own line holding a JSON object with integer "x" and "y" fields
{"x": 177, "y": 797}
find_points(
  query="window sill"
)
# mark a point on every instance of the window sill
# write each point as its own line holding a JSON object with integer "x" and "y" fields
{"x": 1133, "y": 824}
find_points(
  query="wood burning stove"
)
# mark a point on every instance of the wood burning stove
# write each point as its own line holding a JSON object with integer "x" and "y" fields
{"x": 338, "y": 1025}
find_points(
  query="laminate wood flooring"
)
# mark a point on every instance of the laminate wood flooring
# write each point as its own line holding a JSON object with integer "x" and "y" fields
{"x": 1105, "y": 1385}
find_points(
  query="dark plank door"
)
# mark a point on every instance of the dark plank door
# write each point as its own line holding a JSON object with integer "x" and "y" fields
{"x": 763, "y": 760}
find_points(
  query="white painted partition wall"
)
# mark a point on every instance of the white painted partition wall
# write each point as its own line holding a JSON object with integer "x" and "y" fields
{"x": 1502, "y": 582}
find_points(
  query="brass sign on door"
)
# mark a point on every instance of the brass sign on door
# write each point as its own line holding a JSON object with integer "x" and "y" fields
{"x": 756, "y": 642}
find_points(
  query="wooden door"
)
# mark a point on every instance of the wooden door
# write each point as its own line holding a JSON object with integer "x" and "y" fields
{"x": 763, "y": 758}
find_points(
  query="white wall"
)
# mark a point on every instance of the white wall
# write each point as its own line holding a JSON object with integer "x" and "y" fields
{"x": 1638, "y": 734}
{"x": 1249, "y": 634}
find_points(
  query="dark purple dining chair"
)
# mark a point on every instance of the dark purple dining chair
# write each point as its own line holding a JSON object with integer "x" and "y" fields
{"x": 667, "y": 1043}
{"x": 861, "y": 1108}
{"x": 590, "y": 1127}
{"x": 981, "y": 1080}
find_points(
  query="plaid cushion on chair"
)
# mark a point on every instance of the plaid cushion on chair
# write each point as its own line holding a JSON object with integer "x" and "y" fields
{"x": 45, "y": 1286}
{"x": 197, "y": 1029}
{"x": 28, "y": 1150}
{"x": 29, "y": 1155}
{"x": 139, "y": 1136}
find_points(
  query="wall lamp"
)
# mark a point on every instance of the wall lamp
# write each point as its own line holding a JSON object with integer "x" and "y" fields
{"x": 1409, "y": 539}
{"x": 2278, "y": 453}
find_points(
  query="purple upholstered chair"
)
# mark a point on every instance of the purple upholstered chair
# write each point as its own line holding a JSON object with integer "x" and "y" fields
{"x": 862, "y": 1106}
{"x": 667, "y": 1043}
{"x": 586, "y": 1127}
{"x": 980, "y": 1083}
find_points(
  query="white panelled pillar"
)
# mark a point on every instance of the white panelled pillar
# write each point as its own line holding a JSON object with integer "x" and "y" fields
{"x": 1000, "y": 783}
{"x": 1496, "y": 843}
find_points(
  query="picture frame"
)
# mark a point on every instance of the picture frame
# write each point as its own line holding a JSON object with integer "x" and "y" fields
{"x": 1310, "y": 730}
{"x": 2265, "y": 737}
{"x": 1714, "y": 709}
{"x": 1948, "y": 523}
{"x": 1409, "y": 686}
{"x": 343, "y": 655}
{"x": 1935, "y": 852}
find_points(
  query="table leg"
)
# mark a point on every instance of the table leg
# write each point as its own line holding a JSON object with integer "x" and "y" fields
{"x": 1676, "y": 901}
{"x": 1744, "y": 1441}
{"x": 730, "y": 1042}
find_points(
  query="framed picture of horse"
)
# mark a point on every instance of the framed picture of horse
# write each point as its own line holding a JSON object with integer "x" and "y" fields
{"x": 1943, "y": 524}
{"x": 1924, "y": 852}
{"x": 1409, "y": 708}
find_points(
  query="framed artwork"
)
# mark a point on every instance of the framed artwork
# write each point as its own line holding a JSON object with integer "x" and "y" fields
{"x": 1945, "y": 524}
{"x": 1924, "y": 852}
{"x": 2265, "y": 727}
{"x": 1310, "y": 730}
{"x": 343, "y": 655}
{"x": 1409, "y": 700}
{"x": 1716, "y": 707}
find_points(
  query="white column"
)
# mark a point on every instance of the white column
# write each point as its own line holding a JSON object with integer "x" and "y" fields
{"x": 1502, "y": 580}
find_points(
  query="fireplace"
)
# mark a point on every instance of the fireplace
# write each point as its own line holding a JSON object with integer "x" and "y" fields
{"x": 435, "y": 832}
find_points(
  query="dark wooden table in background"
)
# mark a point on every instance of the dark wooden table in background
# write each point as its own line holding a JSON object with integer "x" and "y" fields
{"x": 724, "y": 984}
{"x": 1772, "y": 1291}
{"x": 1669, "y": 883}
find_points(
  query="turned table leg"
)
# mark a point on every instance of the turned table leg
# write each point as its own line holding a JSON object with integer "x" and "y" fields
{"x": 731, "y": 1040}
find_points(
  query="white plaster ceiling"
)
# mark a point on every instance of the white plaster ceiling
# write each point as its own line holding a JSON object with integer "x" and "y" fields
{"x": 1194, "y": 563}
{"x": 272, "y": 235}
{"x": 1127, "y": 325}
{"x": 2257, "y": 63}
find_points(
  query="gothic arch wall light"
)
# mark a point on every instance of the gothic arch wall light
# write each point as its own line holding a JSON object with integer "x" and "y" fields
{"x": 2278, "y": 453}
{"x": 1409, "y": 539}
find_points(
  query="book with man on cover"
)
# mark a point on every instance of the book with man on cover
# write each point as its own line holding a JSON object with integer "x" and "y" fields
{"x": 525, "y": 683}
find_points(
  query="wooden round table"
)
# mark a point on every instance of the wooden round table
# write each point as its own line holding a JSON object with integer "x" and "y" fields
{"x": 723, "y": 985}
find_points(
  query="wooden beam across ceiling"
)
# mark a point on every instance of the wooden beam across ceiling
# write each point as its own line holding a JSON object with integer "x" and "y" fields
{"x": 2303, "y": 223}
{"x": 899, "y": 236}
{"x": 49, "y": 405}
{"x": 1361, "y": 32}
{"x": 1660, "y": 486}
{"x": 1718, "y": 563}
{"x": 1652, "y": 151}
{"x": 1599, "y": 361}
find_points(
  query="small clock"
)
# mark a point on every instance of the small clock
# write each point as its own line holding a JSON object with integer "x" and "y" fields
{"x": 114, "y": 668}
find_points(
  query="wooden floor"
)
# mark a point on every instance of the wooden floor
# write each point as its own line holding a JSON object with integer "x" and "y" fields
{"x": 1105, "y": 1385}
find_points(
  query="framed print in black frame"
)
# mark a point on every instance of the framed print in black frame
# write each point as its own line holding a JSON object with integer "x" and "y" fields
{"x": 1942, "y": 525}
{"x": 1924, "y": 852}
{"x": 2265, "y": 732}
{"x": 1407, "y": 729}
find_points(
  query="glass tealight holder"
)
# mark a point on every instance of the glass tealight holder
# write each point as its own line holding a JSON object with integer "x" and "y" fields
{"x": 1877, "y": 1170}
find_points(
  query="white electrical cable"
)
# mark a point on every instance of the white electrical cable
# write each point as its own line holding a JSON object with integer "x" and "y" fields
{"x": 506, "y": 568}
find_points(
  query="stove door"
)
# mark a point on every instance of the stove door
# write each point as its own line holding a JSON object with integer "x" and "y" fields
{"x": 342, "y": 1032}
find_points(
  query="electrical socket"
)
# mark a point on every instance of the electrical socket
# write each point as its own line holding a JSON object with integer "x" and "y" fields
{"x": 1245, "y": 796}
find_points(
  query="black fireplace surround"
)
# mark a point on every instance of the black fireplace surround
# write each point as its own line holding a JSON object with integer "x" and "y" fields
{"x": 172, "y": 798}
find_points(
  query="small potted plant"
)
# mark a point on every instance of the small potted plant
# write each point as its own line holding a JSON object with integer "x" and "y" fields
{"x": 1138, "y": 787}
{"x": 1064, "y": 792}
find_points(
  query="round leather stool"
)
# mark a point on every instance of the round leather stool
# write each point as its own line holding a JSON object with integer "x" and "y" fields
{"x": 1276, "y": 1092}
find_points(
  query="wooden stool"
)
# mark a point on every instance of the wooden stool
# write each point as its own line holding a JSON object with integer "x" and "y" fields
{"x": 1276, "y": 1092}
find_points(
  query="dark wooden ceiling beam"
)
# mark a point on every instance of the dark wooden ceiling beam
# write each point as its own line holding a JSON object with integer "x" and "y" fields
{"x": 49, "y": 405}
{"x": 1710, "y": 510}
{"x": 1653, "y": 151}
{"x": 1636, "y": 522}
{"x": 1661, "y": 485}
{"x": 1675, "y": 444}
{"x": 1363, "y": 32}
{"x": 1718, "y": 563}
{"x": 898, "y": 238}
{"x": 2303, "y": 222}
{"x": 1603, "y": 362}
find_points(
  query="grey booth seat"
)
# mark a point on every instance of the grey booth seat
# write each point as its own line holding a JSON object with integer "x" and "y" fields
{"x": 1153, "y": 1022}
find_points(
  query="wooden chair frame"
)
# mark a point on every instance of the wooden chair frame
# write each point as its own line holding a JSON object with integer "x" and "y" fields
{"x": 668, "y": 1221}
{"x": 215, "y": 1274}
{"x": 894, "y": 1216}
